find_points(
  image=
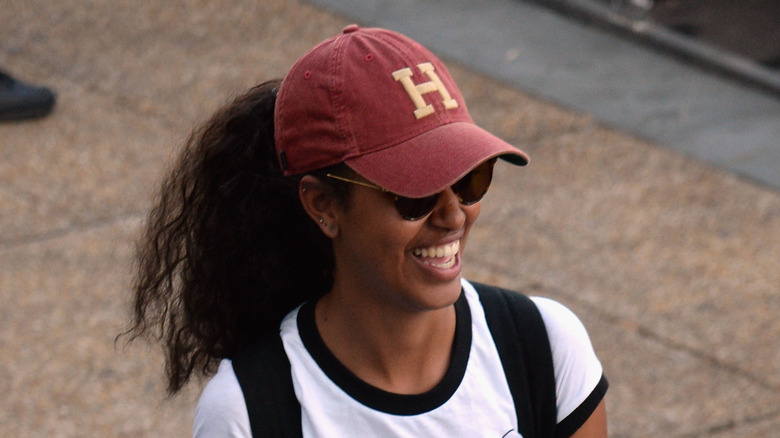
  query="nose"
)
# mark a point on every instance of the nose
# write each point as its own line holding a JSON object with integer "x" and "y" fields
{"x": 448, "y": 212}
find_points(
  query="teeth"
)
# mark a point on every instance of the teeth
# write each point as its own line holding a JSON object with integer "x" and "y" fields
{"x": 440, "y": 251}
{"x": 448, "y": 264}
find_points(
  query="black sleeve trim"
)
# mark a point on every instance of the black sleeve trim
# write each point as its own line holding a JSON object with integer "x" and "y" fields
{"x": 576, "y": 419}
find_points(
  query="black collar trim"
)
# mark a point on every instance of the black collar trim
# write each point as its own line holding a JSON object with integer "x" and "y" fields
{"x": 378, "y": 399}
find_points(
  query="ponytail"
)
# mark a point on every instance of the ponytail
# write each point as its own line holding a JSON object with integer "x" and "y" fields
{"x": 228, "y": 249}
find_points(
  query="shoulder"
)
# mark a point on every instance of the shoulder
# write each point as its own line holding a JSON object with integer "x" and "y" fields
{"x": 221, "y": 408}
{"x": 579, "y": 380}
{"x": 567, "y": 336}
{"x": 563, "y": 326}
{"x": 578, "y": 371}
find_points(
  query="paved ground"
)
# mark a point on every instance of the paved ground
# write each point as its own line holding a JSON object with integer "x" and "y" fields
{"x": 671, "y": 263}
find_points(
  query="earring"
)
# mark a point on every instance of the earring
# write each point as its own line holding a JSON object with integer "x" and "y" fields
{"x": 322, "y": 221}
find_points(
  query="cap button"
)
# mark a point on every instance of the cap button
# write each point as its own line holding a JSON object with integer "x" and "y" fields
{"x": 351, "y": 28}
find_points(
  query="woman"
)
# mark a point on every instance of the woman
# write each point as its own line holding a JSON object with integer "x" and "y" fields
{"x": 310, "y": 242}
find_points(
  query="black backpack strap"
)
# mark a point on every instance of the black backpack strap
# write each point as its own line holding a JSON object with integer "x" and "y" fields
{"x": 518, "y": 330}
{"x": 263, "y": 372}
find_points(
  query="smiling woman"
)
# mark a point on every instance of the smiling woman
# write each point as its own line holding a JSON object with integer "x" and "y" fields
{"x": 307, "y": 251}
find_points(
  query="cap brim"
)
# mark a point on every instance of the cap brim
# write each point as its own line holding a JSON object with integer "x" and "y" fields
{"x": 434, "y": 160}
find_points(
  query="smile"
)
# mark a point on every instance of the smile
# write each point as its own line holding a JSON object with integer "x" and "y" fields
{"x": 442, "y": 256}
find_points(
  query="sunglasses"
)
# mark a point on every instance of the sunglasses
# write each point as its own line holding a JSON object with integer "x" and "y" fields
{"x": 470, "y": 189}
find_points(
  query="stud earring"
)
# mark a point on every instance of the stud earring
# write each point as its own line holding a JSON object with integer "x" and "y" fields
{"x": 322, "y": 221}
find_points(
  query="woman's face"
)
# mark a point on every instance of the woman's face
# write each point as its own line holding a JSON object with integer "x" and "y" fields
{"x": 412, "y": 265}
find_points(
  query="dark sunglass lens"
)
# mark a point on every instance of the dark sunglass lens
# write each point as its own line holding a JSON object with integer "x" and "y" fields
{"x": 469, "y": 189}
{"x": 415, "y": 208}
{"x": 472, "y": 187}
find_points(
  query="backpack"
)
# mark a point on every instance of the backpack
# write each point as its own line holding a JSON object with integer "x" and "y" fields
{"x": 517, "y": 328}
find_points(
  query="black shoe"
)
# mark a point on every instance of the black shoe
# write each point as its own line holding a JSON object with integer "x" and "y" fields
{"x": 20, "y": 101}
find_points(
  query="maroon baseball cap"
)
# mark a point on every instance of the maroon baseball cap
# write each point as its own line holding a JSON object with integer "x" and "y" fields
{"x": 388, "y": 108}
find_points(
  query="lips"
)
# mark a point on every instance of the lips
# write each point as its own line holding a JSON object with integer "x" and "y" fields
{"x": 442, "y": 256}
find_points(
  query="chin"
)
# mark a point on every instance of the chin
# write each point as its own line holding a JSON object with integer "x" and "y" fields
{"x": 442, "y": 295}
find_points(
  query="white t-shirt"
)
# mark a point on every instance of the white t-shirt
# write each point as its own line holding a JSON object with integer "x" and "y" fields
{"x": 472, "y": 400}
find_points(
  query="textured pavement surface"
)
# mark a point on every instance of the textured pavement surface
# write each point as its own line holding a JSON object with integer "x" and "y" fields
{"x": 671, "y": 263}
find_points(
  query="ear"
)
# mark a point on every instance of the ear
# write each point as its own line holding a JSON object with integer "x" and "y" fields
{"x": 318, "y": 201}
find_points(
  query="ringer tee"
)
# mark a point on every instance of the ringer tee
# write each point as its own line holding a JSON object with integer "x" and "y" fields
{"x": 473, "y": 398}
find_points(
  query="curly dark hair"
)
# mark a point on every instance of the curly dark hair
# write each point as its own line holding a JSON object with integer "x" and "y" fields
{"x": 228, "y": 250}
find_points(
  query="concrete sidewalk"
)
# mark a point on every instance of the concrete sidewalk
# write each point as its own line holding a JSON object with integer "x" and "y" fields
{"x": 670, "y": 263}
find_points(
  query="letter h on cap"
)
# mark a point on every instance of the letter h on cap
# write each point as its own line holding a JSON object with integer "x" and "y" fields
{"x": 415, "y": 91}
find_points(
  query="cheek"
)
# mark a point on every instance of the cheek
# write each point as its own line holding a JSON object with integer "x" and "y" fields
{"x": 472, "y": 213}
{"x": 373, "y": 227}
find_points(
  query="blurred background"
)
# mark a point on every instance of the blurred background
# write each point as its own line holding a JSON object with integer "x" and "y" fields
{"x": 651, "y": 206}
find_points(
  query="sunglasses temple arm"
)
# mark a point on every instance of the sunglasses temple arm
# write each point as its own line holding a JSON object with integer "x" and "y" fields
{"x": 360, "y": 183}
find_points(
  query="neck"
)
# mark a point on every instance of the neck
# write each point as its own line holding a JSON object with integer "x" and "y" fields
{"x": 400, "y": 351}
